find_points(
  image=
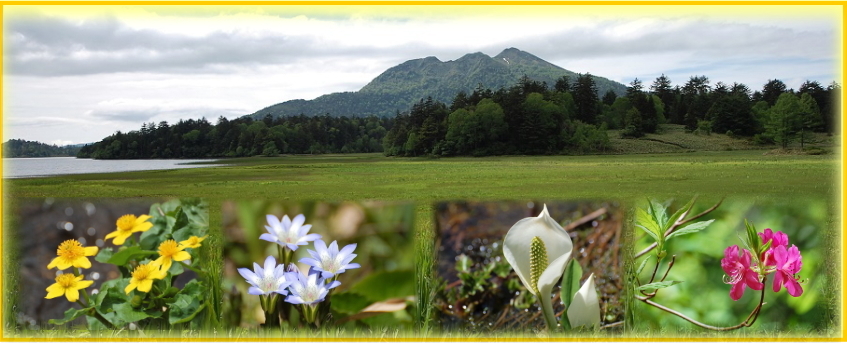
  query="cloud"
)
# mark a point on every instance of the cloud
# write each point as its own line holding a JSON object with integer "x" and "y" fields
{"x": 138, "y": 110}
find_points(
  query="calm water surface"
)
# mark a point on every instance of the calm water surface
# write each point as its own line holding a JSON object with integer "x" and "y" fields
{"x": 49, "y": 166}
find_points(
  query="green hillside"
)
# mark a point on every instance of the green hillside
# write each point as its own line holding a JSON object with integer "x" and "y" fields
{"x": 399, "y": 87}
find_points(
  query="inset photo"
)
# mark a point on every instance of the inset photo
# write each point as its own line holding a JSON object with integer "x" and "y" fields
{"x": 113, "y": 264}
{"x": 318, "y": 265}
{"x": 756, "y": 267}
{"x": 531, "y": 266}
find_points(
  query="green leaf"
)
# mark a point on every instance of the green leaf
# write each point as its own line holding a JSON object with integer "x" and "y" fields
{"x": 657, "y": 285}
{"x": 386, "y": 285}
{"x": 641, "y": 267}
{"x": 659, "y": 213}
{"x": 181, "y": 219}
{"x": 127, "y": 314}
{"x": 151, "y": 239}
{"x": 189, "y": 230}
{"x": 104, "y": 255}
{"x": 70, "y": 315}
{"x": 678, "y": 214}
{"x": 121, "y": 257}
{"x": 111, "y": 292}
{"x": 463, "y": 263}
{"x": 185, "y": 307}
{"x": 647, "y": 223}
{"x": 690, "y": 228}
{"x": 502, "y": 269}
{"x": 348, "y": 302}
{"x": 753, "y": 238}
{"x": 570, "y": 285}
{"x": 165, "y": 207}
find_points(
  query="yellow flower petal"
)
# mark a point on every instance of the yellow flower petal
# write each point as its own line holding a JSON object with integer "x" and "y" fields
{"x": 145, "y": 286}
{"x": 142, "y": 218}
{"x": 84, "y": 284}
{"x": 91, "y": 251}
{"x": 53, "y": 263}
{"x": 132, "y": 285}
{"x": 159, "y": 274}
{"x": 142, "y": 227}
{"x": 120, "y": 237}
{"x": 112, "y": 234}
{"x": 181, "y": 256}
{"x": 82, "y": 262}
{"x": 55, "y": 290}
{"x": 72, "y": 294}
{"x": 166, "y": 263}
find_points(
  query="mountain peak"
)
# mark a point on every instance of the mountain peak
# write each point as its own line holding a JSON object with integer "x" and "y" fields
{"x": 399, "y": 87}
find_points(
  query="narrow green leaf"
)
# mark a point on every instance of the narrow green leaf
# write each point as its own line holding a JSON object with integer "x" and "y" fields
{"x": 678, "y": 214}
{"x": 70, "y": 315}
{"x": 641, "y": 267}
{"x": 691, "y": 228}
{"x": 657, "y": 285}
{"x": 659, "y": 213}
{"x": 570, "y": 282}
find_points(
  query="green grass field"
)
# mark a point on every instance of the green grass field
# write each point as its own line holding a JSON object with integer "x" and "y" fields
{"x": 372, "y": 176}
{"x": 749, "y": 174}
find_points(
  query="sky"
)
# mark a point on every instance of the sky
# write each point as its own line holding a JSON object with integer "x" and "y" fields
{"x": 76, "y": 74}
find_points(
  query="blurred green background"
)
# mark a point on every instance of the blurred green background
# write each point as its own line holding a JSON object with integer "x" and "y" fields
{"x": 382, "y": 230}
{"x": 703, "y": 296}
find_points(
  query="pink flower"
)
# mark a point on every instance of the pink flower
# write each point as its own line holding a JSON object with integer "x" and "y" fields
{"x": 788, "y": 262}
{"x": 736, "y": 264}
{"x": 779, "y": 239}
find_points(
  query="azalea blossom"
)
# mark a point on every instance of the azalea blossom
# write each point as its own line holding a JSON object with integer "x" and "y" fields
{"x": 736, "y": 264}
{"x": 538, "y": 249}
{"x": 585, "y": 307}
{"x": 267, "y": 280}
{"x": 71, "y": 253}
{"x": 779, "y": 239}
{"x": 67, "y": 285}
{"x": 788, "y": 263}
{"x": 143, "y": 276}
{"x": 307, "y": 289}
{"x": 192, "y": 242}
{"x": 127, "y": 225}
{"x": 330, "y": 261}
{"x": 169, "y": 251}
{"x": 288, "y": 233}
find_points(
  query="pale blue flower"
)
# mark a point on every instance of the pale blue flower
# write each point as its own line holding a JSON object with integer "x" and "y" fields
{"x": 288, "y": 233}
{"x": 307, "y": 289}
{"x": 265, "y": 281}
{"x": 330, "y": 261}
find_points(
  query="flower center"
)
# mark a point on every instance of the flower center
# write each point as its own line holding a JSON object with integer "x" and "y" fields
{"x": 169, "y": 248}
{"x": 126, "y": 222}
{"x": 268, "y": 283}
{"x": 141, "y": 272}
{"x": 70, "y": 250}
{"x": 310, "y": 293}
{"x": 329, "y": 264}
{"x": 66, "y": 280}
{"x": 537, "y": 261}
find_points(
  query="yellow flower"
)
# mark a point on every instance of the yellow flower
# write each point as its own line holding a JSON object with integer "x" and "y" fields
{"x": 142, "y": 277}
{"x": 192, "y": 242}
{"x": 67, "y": 285}
{"x": 169, "y": 251}
{"x": 72, "y": 254}
{"x": 128, "y": 224}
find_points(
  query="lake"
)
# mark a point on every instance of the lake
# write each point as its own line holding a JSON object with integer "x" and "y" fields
{"x": 49, "y": 166}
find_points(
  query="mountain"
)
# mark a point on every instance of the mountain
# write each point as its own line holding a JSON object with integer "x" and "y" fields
{"x": 399, "y": 87}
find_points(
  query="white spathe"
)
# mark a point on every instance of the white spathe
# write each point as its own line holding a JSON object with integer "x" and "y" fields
{"x": 516, "y": 248}
{"x": 585, "y": 307}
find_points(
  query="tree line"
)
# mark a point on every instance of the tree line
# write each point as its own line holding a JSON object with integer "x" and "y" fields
{"x": 24, "y": 148}
{"x": 531, "y": 117}
{"x": 570, "y": 117}
{"x": 244, "y": 137}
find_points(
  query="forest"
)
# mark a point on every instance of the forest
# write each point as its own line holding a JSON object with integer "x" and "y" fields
{"x": 531, "y": 118}
{"x": 24, "y": 148}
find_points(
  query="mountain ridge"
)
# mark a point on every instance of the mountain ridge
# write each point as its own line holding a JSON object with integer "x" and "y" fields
{"x": 399, "y": 87}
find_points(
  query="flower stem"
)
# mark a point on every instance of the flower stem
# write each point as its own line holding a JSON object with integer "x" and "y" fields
{"x": 198, "y": 271}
